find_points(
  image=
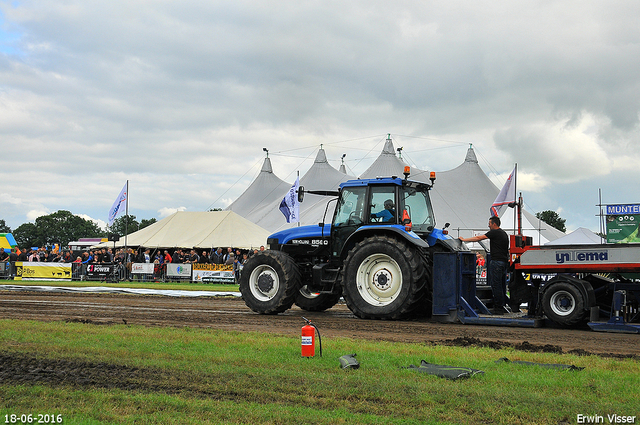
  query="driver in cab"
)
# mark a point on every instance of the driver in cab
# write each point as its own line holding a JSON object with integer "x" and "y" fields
{"x": 387, "y": 214}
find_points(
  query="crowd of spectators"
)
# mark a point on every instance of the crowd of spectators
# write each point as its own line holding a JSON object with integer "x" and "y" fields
{"x": 236, "y": 258}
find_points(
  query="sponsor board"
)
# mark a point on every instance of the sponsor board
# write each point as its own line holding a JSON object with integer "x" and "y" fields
{"x": 98, "y": 271}
{"x": 142, "y": 268}
{"x": 623, "y": 228}
{"x": 179, "y": 270}
{"x": 201, "y": 266}
{"x": 213, "y": 276}
{"x": 42, "y": 271}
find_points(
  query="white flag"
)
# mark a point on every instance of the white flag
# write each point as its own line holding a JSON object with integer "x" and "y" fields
{"x": 506, "y": 196}
{"x": 116, "y": 208}
{"x": 290, "y": 206}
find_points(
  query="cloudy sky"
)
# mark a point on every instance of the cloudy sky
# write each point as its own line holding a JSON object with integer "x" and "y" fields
{"x": 180, "y": 98}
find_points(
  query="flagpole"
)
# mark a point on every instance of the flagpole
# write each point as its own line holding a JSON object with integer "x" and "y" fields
{"x": 126, "y": 221}
{"x": 516, "y": 211}
{"x": 298, "y": 177}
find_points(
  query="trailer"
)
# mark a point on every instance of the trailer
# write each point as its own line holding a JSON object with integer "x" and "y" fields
{"x": 573, "y": 284}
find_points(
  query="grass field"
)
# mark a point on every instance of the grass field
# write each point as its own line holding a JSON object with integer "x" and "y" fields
{"x": 95, "y": 374}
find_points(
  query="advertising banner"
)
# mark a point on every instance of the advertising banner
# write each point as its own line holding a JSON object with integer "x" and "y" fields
{"x": 213, "y": 276}
{"x": 213, "y": 273}
{"x": 142, "y": 268}
{"x": 622, "y": 223}
{"x": 180, "y": 271}
{"x": 42, "y": 271}
{"x": 98, "y": 271}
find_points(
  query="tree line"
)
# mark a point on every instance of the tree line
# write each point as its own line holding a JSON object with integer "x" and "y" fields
{"x": 63, "y": 227}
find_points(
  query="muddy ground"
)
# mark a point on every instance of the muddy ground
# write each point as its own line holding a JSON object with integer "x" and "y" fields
{"x": 230, "y": 313}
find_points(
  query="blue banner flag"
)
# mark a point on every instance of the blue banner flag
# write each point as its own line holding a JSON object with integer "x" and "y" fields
{"x": 117, "y": 206}
{"x": 290, "y": 206}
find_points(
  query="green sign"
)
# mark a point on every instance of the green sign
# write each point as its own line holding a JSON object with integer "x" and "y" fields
{"x": 622, "y": 224}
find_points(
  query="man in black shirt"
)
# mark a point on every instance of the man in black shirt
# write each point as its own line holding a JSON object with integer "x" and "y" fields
{"x": 499, "y": 261}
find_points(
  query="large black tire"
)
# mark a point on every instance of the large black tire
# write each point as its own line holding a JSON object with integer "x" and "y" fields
{"x": 564, "y": 304}
{"x": 309, "y": 301}
{"x": 270, "y": 282}
{"x": 383, "y": 278}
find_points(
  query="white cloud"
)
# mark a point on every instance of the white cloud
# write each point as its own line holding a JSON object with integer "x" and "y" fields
{"x": 100, "y": 223}
{"x": 33, "y": 214}
{"x": 560, "y": 152}
{"x": 165, "y": 212}
{"x": 181, "y": 98}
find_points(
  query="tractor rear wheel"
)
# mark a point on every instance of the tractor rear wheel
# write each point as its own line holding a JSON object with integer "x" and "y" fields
{"x": 270, "y": 282}
{"x": 383, "y": 278}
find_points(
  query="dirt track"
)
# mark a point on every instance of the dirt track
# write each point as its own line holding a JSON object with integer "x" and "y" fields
{"x": 230, "y": 313}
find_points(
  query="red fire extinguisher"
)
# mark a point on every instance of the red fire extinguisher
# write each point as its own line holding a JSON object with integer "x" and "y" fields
{"x": 309, "y": 339}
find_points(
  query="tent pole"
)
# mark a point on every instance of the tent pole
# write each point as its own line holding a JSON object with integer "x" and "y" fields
{"x": 126, "y": 221}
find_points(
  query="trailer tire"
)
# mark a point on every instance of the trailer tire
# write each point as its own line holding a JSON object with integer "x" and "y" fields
{"x": 270, "y": 282}
{"x": 564, "y": 304}
{"x": 383, "y": 278}
{"x": 310, "y": 301}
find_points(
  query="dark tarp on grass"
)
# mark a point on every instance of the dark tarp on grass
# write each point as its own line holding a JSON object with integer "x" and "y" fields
{"x": 442, "y": 371}
{"x": 547, "y": 365}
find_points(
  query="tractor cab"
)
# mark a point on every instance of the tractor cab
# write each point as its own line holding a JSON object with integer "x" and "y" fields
{"x": 383, "y": 204}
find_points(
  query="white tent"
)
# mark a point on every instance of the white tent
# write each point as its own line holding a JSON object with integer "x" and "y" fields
{"x": 265, "y": 189}
{"x": 386, "y": 165}
{"x": 321, "y": 176}
{"x": 186, "y": 229}
{"x": 580, "y": 236}
{"x": 462, "y": 197}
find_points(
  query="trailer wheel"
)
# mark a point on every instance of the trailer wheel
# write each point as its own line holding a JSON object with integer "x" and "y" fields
{"x": 563, "y": 303}
{"x": 270, "y": 282}
{"x": 383, "y": 278}
{"x": 311, "y": 301}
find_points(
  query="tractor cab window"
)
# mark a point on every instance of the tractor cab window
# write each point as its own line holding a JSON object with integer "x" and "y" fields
{"x": 350, "y": 208}
{"x": 383, "y": 205}
{"x": 416, "y": 202}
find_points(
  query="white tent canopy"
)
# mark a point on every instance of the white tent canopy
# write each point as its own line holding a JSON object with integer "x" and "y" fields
{"x": 185, "y": 229}
{"x": 263, "y": 191}
{"x": 580, "y": 236}
{"x": 321, "y": 176}
{"x": 386, "y": 165}
{"x": 461, "y": 196}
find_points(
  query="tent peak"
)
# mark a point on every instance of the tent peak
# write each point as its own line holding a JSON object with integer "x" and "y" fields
{"x": 321, "y": 157}
{"x": 266, "y": 166}
{"x": 471, "y": 155}
{"x": 388, "y": 148}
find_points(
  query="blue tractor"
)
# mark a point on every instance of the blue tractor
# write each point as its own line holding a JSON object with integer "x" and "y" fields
{"x": 377, "y": 253}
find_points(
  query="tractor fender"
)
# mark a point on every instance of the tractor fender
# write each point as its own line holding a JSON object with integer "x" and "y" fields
{"x": 583, "y": 286}
{"x": 396, "y": 231}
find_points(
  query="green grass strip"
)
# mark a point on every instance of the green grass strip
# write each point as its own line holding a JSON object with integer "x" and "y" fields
{"x": 132, "y": 374}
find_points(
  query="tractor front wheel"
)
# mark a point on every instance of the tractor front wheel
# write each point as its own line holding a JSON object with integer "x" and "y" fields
{"x": 270, "y": 282}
